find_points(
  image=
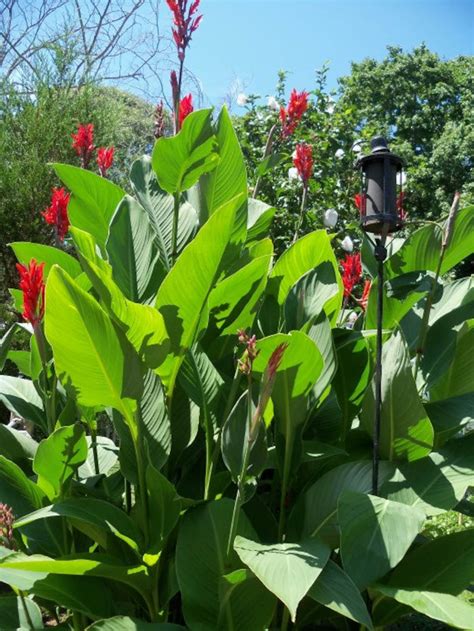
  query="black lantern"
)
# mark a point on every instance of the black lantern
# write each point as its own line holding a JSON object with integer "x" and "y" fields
{"x": 381, "y": 195}
{"x": 380, "y": 204}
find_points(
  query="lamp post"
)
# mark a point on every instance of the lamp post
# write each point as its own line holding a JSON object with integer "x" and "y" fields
{"x": 381, "y": 213}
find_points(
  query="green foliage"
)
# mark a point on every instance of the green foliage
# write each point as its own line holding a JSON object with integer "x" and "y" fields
{"x": 236, "y": 490}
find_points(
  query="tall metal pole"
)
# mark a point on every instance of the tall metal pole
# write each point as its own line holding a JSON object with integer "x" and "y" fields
{"x": 380, "y": 255}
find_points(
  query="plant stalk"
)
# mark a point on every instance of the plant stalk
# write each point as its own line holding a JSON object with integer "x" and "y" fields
{"x": 302, "y": 209}
{"x": 174, "y": 233}
{"x": 94, "y": 450}
{"x": 267, "y": 152}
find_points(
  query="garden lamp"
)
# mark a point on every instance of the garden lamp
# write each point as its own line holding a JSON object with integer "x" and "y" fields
{"x": 381, "y": 213}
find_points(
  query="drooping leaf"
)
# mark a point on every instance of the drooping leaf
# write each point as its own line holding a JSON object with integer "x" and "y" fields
{"x": 97, "y": 361}
{"x": 14, "y": 616}
{"x": 179, "y": 161}
{"x": 406, "y": 431}
{"x": 16, "y": 445}
{"x": 286, "y": 569}
{"x": 17, "y": 490}
{"x": 58, "y": 457}
{"x": 260, "y": 217}
{"x": 375, "y": 534}
{"x": 25, "y": 251}
{"x": 134, "y": 252}
{"x": 93, "y": 201}
{"x": 435, "y": 483}
{"x": 20, "y": 397}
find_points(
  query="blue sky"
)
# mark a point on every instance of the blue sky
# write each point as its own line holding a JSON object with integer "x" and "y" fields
{"x": 248, "y": 41}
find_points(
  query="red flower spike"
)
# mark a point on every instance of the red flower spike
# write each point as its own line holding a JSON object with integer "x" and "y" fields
{"x": 83, "y": 143}
{"x": 32, "y": 285}
{"x": 291, "y": 116}
{"x": 303, "y": 161}
{"x": 56, "y": 213}
{"x": 401, "y": 211}
{"x": 185, "y": 108}
{"x": 364, "y": 299}
{"x": 105, "y": 158}
{"x": 185, "y": 22}
{"x": 351, "y": 272}
{"x": 360, "y": 202}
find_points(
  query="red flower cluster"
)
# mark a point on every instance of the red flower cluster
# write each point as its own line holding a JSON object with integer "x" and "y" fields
{"x": 83, "y": 143}
{"x": 105, "y": 158}
{"x": 303, "y": 161}
{"x": 185, "y": 108}
{"x": 185, "y": 22}
{"x": 56, "y": 213}
{"x": 246, "y": 362}
{"x": 32, "y": 285}
{"x": 360, "y": 202}
{"x": 351, "y": 272}
{"x": 291, "y": 116}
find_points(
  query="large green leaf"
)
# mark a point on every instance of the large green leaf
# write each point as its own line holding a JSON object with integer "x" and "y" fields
{"x": 143, "y": 325}
{"x": 19, "y": 613}
{"x": 459, "y": 378}
{"x": 58, "y": 457}
{"x": 306, "y": 254}
{"x": 444, "y": 607}
{"x": 183, "y": 296}
{"x": 286, "y": 569}
{"x": 20, "y": 397}
{"x": 246, "y": 604}
{"x": 449, "y": 416}
{"x": 93, "y": 201}
{"x": 17, "y": 490}
{"x": 460, "y": 245}
{"x": 406, "y": 431}
{"x": 164, "y": 506}
{"x": 16, "y": 445}
{"x": 353, "y": 373}
{"x": 335, "y": 590}
{"x": 180, "y": 161}
{"x": 229, "y": 178}
{"x": 97, "y": 360}
{"x": 435, "y": 483}
{"x": 202, "y": 564}
{"x": 233, "y": 303}
{"x": 259, "y": 221}
{"x": 442, "y": 566}
{"x": 122, "y": 623}
{"x": 134, "y": 252}
{"x": 25, "y": 251}
{"x": 321, "y": 334}
{"x": 375, "y": 534}
{"x": 100, "y": 518}
{"x": 159, "y": 207}
{"x": 315, "y": 513}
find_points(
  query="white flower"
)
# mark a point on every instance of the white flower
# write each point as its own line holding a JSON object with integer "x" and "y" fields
{"x": 347, "y": 244}
{"x": 273, "y": 104}
{"x": 352, "y": 317}
{"x": 293, "y": 173}
{"x": 339, "y": 154}
{"x": 241, "y": 99}
{"x": 330, "y": 108}
{"x": 356, "y": 148}
{"x": 402, "y": 178}
{"x": 330, "y": 218}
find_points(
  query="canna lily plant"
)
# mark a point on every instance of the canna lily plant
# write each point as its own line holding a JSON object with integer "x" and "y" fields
{"x": 201, "y": 414}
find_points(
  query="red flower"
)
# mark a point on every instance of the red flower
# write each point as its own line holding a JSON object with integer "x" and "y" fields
{"x": 351, "y": 272}
{"x": 83, "y": 143}
{"x": 105, "y": 158}
{"x": 32, "y": 285}
{"x": 56, "y": 214}
{"x": 364, "y": 299}
{"x": 185, "y": 108}
{"x": 303, "y": 161}
{"x": 291, "y": 116}
{"x": 401, "y": 211}
{"x": 185, "y": 23}
{"x": 360, "y": 201}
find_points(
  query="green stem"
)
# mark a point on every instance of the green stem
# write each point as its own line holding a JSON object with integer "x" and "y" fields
{"x": 284, "y": 486}
{"x": 302, "y": 209}
{"x": 285, "y": 619}
{"x": 94, "y": 450}
{"x": 174, "y": 233}
{"x": 209, "y": 430}
{"x": 239, "y": 498}
{"x": 268, "y": 150}
{"x": 25, "y": 609}
{"x": 139, "y": 452}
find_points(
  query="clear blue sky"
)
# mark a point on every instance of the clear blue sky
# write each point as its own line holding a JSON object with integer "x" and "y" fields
{"x": 250, "y": 40}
